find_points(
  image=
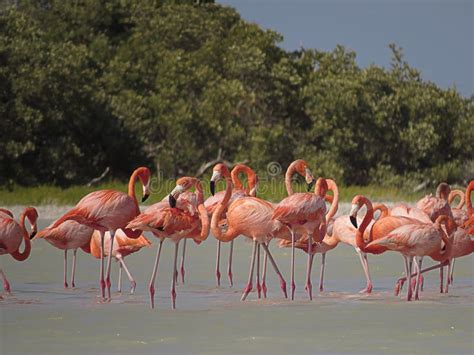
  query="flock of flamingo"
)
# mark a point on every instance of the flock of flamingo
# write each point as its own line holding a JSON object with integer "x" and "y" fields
{"x": 109, "y": 223}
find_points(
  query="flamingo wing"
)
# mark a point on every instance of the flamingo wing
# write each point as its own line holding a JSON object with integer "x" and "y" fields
{"x": 299, "y": 207}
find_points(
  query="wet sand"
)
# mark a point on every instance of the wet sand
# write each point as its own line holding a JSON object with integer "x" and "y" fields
{"x": 41, "y": 317}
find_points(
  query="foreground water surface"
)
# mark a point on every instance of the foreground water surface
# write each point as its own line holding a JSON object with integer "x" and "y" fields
{"x": 40, "y": 316}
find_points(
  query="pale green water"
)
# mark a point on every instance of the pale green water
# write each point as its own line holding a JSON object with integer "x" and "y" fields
{"x": 41, "y": 317}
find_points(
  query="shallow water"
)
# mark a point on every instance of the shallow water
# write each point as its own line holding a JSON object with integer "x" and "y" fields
{"x": 42, "y": 317}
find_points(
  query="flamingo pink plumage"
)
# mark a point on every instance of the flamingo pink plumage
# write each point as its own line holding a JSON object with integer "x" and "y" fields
{"x": 68, "y": 235}
{"x": 11, "y": 235}
{"x": 438, "y": 205}
{"x": 221, "y": 171}
{"x": 109, "y": 210}
{"x": 304, "y": 214}
{"x": 175, "y": 224}
{"x": 412, "y": 240}
{"x": 250, "y": 217}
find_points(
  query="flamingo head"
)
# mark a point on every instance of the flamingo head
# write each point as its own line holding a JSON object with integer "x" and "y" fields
{"x": 144, "y": 175}
{"x": 357, "y": 203}
{"x": 182, "y": 184}
{"x": 219, "y": 172}
{"x": 301, "y": 167}
{"x": 32, "y": 215}
{"x": 253, "y": 181}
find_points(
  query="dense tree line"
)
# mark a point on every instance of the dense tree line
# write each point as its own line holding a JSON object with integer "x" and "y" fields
{"x": 89, "y": 84}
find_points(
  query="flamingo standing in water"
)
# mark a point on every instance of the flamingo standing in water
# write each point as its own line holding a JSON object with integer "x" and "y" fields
{"x": 211, "y": 204}
{"x": 11, "y": 235}
{"x": 347, "y": 230}
{"x": 109, "y": 210}
{"x": 68, "y": 235}
{"x": 461, "y": 216}
{"x": 175, "y": 224}
{"x": 250, "y": 217}
{"x": 304, "y": 214}
{"x": 461, "y": 245}
{"x": 325, "y": 245}
{"x": 414, "y": 241}
{"x": 124, "y": 246}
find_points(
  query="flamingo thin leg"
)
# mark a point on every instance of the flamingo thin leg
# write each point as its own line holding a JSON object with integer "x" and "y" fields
{"x": 65, "y": 269}
{"x": 264, "y": 273}
{"x": 119, "y": 282}
{"x": 451, "y": 277}
{"x": 418, "y": 274}
{"x": 173, "y": 280}
{"x": 321, "y": 276}
{"x": 218, "y": 261}
{"x": 101, "y": 280}
{"x": 6, "y": 284}
{"x": 272, "y": 261}
{"x": 408, "y": 268}
{"x": 229, "y": 267}
{"x": 441, "y": 279}
{"x": 401, "y": 280}
{"x": 365, "y": 267}
{"x": 133, "y": 284}
{"x": 109, "y": 263}
{"x": 293, "y": 286}
{"x": 151, "y": 286}
{"x": 73, "y": 271}
{"x": 259, "y": 287}
{"x": 249, "y": 286}
{"x": 448, "y": 275}
{"x": 182, "y": 261}
{"x": 309, "y": 286}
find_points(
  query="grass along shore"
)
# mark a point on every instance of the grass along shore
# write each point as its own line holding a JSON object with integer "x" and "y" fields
{"x": 273, "y": 190}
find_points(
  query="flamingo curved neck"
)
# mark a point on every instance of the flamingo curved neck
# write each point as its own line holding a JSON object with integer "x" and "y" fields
{"x": 470, "y": 188}
{"x": 289, "y": 174}
{"x": 369, "y": 215}
{"x": 17, "y": 255}
{"x": 217, "y": 215}
{"x": 251, "y": 178}
{"x": 383, "y": 210}
{"x": 199, "y": 192}
{"x": 131, "y": 186}
{"x": 335, "y": 201}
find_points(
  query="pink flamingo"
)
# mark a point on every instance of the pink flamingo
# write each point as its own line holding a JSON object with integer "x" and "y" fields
{"x": 66, "y": 236}
{"x": 211, "y": 204}
{"x": 414, "y": 241}
{"x": 109, "y": 210}
{"x": 124, "y": 246}
{"x": 461, "y": 216}
{"x": 11, "y": 235}
{"x": 461, "y": 245}
{"x": 438, "y": 205}
{"x": 175, "y": 224}
{"x": 250, "y": 217}
{"x": 304, "y": 214}
{"x": 327, "y": 243}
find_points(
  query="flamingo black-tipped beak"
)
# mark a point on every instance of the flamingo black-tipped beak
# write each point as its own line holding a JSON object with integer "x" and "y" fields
{"x": 145, "y": 197}
{"x": 353, "y": 221}
{"x": 32, "y": 235}
{"x": 212, "y": 186}
{"x": 172, "y": 201}
{"x": 311, "y": 184}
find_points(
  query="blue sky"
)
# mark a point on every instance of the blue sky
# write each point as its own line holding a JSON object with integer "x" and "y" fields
{"x": 437, "y": 36}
